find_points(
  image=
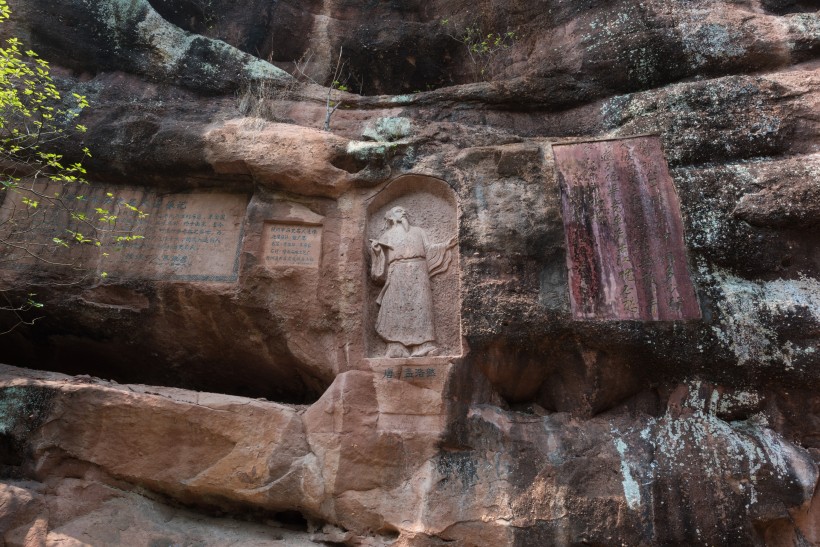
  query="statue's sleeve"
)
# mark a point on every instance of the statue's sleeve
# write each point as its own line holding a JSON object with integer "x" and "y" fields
{"x": 438, "y": 257}
{"x": 378, "y": 264}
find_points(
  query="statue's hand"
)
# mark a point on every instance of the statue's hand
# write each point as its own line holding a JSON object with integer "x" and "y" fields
{"x": 377, "y": 245}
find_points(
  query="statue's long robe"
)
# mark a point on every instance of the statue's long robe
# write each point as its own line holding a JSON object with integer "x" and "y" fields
{"x": 406, "y": 261}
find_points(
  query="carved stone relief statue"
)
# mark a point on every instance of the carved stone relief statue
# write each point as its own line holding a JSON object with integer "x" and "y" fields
{"x": 404, "y": 260}
{"x": 413, "y": 297}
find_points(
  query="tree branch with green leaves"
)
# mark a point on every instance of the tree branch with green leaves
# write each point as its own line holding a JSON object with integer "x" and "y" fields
{"x": 482, "y": 47}
{"x": 43, "y": 201}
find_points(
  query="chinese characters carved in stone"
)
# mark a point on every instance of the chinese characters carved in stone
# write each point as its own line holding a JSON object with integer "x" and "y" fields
{"x": 625, "y": 249}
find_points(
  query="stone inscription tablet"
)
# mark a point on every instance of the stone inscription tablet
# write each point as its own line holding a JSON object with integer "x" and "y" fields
{"x": 625, "y": 251}
{"x": 287, "y": 244}
{"x": 187, "y": 237}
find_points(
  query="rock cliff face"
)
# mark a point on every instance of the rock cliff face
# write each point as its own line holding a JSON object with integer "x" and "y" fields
{"x": 273, "y": 416}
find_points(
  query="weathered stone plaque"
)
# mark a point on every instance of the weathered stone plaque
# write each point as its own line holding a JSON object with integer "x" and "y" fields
{"x": 427, "y": 372}
{"x": 625, "y": 251}
{"x": 187, "y": 237}
{"x": 288, "y": 244}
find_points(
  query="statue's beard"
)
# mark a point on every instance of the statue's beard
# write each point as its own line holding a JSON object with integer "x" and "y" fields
{"x": 405, "y": 223}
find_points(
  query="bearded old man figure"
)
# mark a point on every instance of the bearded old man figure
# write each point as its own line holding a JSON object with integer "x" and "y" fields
{"x": 404, "y": 260}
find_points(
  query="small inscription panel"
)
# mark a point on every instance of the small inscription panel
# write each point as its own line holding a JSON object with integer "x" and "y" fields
{"x": 426, "y": 372}
{"x": 287, "y": 244}
{"x": 625, "y": 251}
{"x": 408, "y": 372}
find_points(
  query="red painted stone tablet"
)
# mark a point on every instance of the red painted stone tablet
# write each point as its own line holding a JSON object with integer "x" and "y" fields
{"x": 625, "y": 249}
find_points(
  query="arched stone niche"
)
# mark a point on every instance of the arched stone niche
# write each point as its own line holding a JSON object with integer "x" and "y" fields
{"x": 399, "y": 265}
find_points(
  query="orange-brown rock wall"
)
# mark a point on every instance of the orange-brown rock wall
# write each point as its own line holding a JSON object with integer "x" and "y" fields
{"x": 534, "y": 428}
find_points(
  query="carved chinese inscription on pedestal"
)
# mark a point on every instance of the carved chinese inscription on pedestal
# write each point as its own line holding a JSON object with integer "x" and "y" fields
{"x": 625, "y": 249}
{"x": 288, "y": 244}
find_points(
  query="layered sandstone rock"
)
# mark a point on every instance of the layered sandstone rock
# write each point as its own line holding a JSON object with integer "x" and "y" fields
{"x": 385, "y": 460}
{"x": 535, "y": 429}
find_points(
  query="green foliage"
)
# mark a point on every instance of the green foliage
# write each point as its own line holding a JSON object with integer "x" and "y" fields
{"x": 482, "y": 47}
{"x": 39, "y": 188}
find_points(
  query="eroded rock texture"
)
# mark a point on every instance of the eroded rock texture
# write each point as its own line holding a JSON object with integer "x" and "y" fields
{"x": 542, "y": 430}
